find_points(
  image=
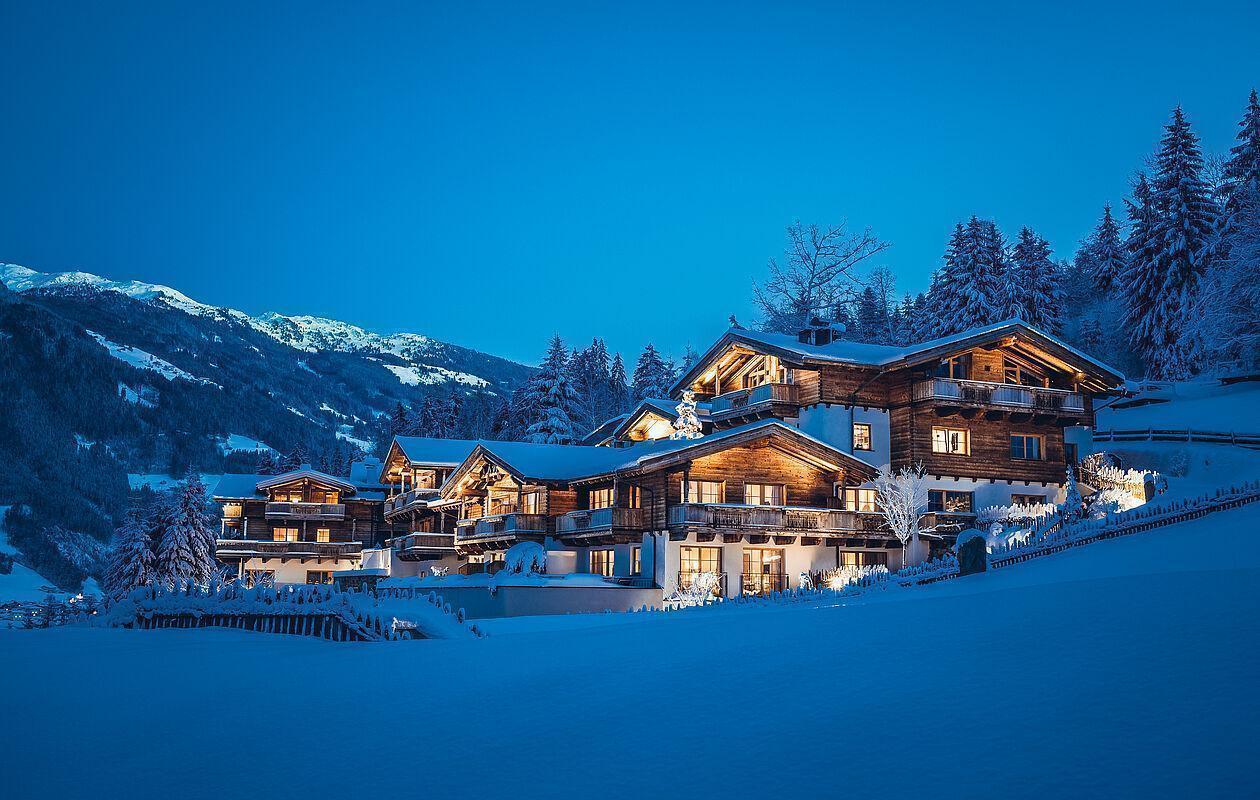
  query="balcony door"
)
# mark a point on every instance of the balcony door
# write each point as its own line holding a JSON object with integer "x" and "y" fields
{"x": 693, "y": 561}
{"x": 763, "y": 571}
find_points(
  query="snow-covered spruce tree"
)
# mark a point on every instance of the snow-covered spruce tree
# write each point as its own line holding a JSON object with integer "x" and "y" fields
{"x": 1225, "y": 320}
{"x": 1177, "y": 228}
{"x": 1243, "y": 166}
{"x": 1090, "y": 337}
{"x": 1105, "y": 257}
{"x": 185, "y": 555}
{"x": 817, "y": 273}
{"x": 1032, "y": 286}
{"x": 901, "y": 498}
{"x": 652, "y": 376}
{"x": 970, "y": 280}
{"x": 555, "y": 399}
{"x": 618, "y": 387}
{"x": 687, "y": 425}
{"x": 872, "y": 318}
{"x": 1073, "y": 503}
{"x": 131, "y": 559}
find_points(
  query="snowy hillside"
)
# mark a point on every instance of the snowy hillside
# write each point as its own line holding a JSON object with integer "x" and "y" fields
{"x": 1198, "y": 405}
{"x": 428, "y": 360}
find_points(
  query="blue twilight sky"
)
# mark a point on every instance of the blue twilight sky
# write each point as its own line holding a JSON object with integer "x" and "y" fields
{"x": 489, "y": 174}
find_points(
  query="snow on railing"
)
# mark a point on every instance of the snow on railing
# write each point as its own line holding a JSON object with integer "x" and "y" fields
{"x": 1052, "y": 539}
{"x": 321, "y": 611}
{"x": 1032, "y": 512}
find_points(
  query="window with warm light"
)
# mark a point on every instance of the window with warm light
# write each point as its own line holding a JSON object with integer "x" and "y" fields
{"x": 634, "y": 497}
{"x": 284, "y": 534}
{"x": 947, "y": 502}
{"x": 859, "y": 500}
{"x": 602, "y": 562}
{"x": 861, "y": 436}
{"x": 951, "y": 441}
{"x": 601, "y": 498}
{"x": 231, "y": 510}
{"x": 859, "y": 558}
{"x": 530, "y": 503}
{"x": 763, "y": 494}
{"x": 636, "y": 560}
{"x": 705, "y": 492}
{"x": 323, "y": 534}
{"x": 694, "y": 560}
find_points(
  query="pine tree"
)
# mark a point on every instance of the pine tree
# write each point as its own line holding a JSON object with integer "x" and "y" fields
{"x": 1105, "y": 258}
{"x": 1225, "y": 321}
{"x": 872, "y": 318}
{"x": 1032, "y": 285}
{"x": 266, "y": 464}
{"x": 1243, "y": 166}
{"x": 970, "y": 279}
{"x": 618, "y": 387}
{"x": 687, "y": 425}
{"x": 556, "y": 399}
{"x": 131, "y": 561}
{"x": 1090, "y": 337}
{"x": 398, "y": 421}
{"x": 1175, "y": 250}
{"x": 652, "y": 377}
{"x": 294, "y": 459}
{"x": 185, "y": 555}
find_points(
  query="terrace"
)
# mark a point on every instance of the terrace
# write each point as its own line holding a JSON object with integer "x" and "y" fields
{"x": 999, "y": 396}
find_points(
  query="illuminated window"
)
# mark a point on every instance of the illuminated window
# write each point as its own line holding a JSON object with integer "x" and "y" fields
{"x": 705, "y": 492}
{"x": 320, "y": 496}
{"x": 942, "y": 501}
{"x": 318, "y": 576}
{"x": 601, "y": 498}
{"x": 231, "y": 510}
{"x": 1027, "y": 447}
{"x": 634, "y": 497}
{"x": 859, "y": 500}
{"x": 602, "y": 562}
{"x": 763, "y": 494}
{"x": 323, "y": 535}
{"x": 288, "y": 496}
{"x": 694, "y": 560}
{"x": 636, "y": 560}
{"x": 530, "y": 503}
{"x": 849, "y": 558}
{"x": 284, "y": 534}
{"x": 954, "y": 441}
{"x": 861, "y": 436}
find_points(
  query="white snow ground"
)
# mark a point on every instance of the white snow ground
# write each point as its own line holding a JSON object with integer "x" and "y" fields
{"x": 147, "y": 361}
{"x": 1122, "y": 669}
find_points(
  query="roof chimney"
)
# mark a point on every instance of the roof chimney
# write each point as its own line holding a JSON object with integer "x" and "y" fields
{"x": 820, "y": 332}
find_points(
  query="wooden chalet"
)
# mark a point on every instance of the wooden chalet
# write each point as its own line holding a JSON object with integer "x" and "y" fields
{"x": 301, "y": 526}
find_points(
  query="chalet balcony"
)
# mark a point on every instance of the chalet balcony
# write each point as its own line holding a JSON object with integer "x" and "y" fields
{"x": 402, "y": 501}
{"x": 776, "y": 520}
{"x": 501, "y": 526}
{"x": 257, "y": 548}
{"x": 770, "y": 399}
{"x": 317, "y": 511}
{"x": 423, "y": 546}
{"x": 578, "y": 522}
{"x": 999, "y": 396}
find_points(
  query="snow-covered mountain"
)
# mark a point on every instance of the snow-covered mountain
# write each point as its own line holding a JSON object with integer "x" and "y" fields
{"x": 425, "y": 357}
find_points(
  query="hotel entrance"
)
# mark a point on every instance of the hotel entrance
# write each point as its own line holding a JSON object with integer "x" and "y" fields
{"x": 763, "y": 571}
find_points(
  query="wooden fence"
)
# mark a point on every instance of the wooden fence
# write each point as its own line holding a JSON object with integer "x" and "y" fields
{"x": 1170, "y": 435}
{"x": 330, "y": 626}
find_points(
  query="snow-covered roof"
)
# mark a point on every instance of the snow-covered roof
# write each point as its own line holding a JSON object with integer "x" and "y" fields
{"x": 564, "y": 463}
{"x": 604, "y": 430}
{"x": 435, "y": 452}
{"x": 859, "y": 354}
{"x": 243, "y": 486}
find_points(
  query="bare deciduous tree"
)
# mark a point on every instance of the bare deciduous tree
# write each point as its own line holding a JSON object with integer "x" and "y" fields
{"x": 817, "y": 273}
{"x": 902, "y": 498}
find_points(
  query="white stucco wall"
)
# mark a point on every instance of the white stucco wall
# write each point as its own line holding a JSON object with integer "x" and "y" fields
{"x": 292, "y": 570}
{"x": 834, "y": 425}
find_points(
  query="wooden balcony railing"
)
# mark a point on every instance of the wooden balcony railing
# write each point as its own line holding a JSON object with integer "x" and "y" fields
{"x": 417, "y": 544}
{"x": 600, "y": 519}
{"x": 501, "y": 524}
{"x": 769, "y": 518}
{"x": 999, "y": 395}
{"x": 306, "y": 510}
{"x": 259, "y": 548}
{"x": 754, "y": 399}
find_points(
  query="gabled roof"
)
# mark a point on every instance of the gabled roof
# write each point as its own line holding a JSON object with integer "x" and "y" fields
{"x": 246, "y": 486}
{"x": 558, "y": 463}
{"x": 604, "y": 431}
{"x": 661, "y": 407}
{"x": 434, "y": 452}
{"x": 792, "y": 351}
